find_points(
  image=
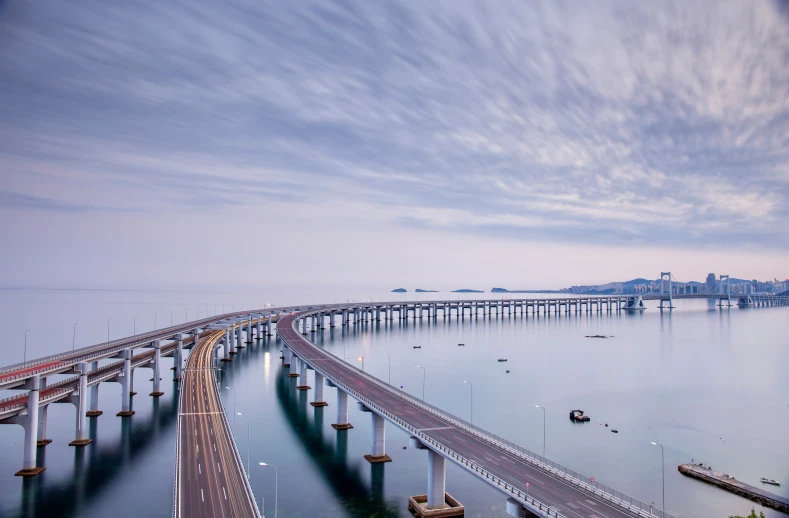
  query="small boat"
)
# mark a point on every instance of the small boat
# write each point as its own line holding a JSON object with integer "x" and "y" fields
{"x": 614, "y": 430}
{"x": 507, "y": 371}
{"x": 461, "y": 345}
{"x": 502, "y": 359}
{"x": 769, "y": 481}
{"x": 417, "y": 347}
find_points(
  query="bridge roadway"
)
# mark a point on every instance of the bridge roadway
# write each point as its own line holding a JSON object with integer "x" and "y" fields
{"x": 209, "y": 476}
{"x": 484, "y": 457}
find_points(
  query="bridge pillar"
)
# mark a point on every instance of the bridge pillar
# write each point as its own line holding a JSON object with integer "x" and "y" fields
{"x": 303, "y": 326}
{"x": 286, "y": 356}
{"x": 378, "y": 444}
{"x": 342, "y": 411}
{"x": 240, "y": 336}
{"x": 225, "y": 349}
{"x": 126, "y": 386}
{"x": 331, "y": 319}
{"x": 94, "y": 395}
{"x": 318, "y": 401}
{"x": 231, "y": 339}
{"x": 41, "y": 437}
{"x": 436, "y": 480}
{"x": 294, "y": 366}
{"x": 82, "y": 399}
{"x": 303, "y": 376}
{"x": 260, "y": 327}
{"x": 157, "y": 357}
{"x": 249, "y": 329}
{"x": 30, "y": 424}
{"x": 178, "y": 358}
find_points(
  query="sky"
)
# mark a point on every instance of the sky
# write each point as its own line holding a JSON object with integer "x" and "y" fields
{"x": 419, "y": 144}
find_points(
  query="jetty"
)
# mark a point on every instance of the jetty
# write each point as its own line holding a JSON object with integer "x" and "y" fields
{"x": 733, "y": 485}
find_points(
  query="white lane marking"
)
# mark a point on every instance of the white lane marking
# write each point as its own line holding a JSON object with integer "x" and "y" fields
{"x": 199, "y": 469}
{"x": 214, "y": 446}
{"x": 223, "y": 492}
{"x": 202, "y": 497}
{"x": 220, "y": 467}
{"x": 510, "y": 461}
{"x": 591, "y": 509}
{"x": 198, "y": 449}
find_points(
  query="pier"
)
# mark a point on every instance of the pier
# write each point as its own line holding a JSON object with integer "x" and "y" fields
{"x": 733, "y": 485}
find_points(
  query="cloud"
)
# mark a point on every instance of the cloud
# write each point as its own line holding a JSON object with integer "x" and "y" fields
{"x": 657, "y": 123}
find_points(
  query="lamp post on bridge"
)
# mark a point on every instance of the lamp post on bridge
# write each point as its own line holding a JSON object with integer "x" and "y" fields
{"x": 424, "y": 376}
{"x": 74, "y": 337}
{"x": 108, "y": 329}
{"x": 276, "y": 483}
{"x": 543, "y": 429}
{"x": 389, "y": 363}
{"x": 471, "y": 399}
{"x": 24, "y": 357}
{"x": 249, "y": 468}
{"x": 662, "y": 472}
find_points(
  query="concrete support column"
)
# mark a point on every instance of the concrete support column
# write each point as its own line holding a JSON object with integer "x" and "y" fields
{"x": 82, "y": 399}
{"x": 239, "y": 336}
{"x": 31, "y": 431}
{"x": 378, "y": 444}
{"x": 260, "y": 327}
{"x": 41, "y": 438}
{"x": 436, "y": 480}
{"x": 303, "y": 326}
{"x": 303, "y": 376}
{"x": 286, "y": 356}
{"x": 294, "y": 366}
{"x": 342, "y": 411}
{"x": 126, "y": 386}
{"x": 313, "y": 322}
{"x": 226, "y": 349}
{"x": 94, "y": 396}
{"x": 268, "y": 325}
{"x": 157, "y": 376}
{"x": 179, "y": 357}
{"x": 249, "y": 329}
{"x": 318, "y": 391}
{"x": 331, "y": 319}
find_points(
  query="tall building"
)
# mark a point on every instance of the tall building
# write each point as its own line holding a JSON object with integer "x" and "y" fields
{"x": 711, "y": 283}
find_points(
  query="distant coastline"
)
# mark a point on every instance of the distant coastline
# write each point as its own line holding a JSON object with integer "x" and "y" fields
{"x": 420, "y": 290}
{"x": 399, "y": 290}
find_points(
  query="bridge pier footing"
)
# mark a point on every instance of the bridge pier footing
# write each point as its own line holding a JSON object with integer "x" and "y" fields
{"x": 342, "y": 411}
{"x": 318, "y": 402}
{"x": 294, "y": 366}
{"x": 41, "y": 439}
{"x": 303, "y": 376}
{"x": 94, "y": 396}
{"x": 126, "y": 410}
{"x": 81, "y": 402}
{"x": 30, "y": 424}
{"x": 378, "y": 443}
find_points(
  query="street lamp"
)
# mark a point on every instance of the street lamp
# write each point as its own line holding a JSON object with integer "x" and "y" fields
{"x": 24, "y": 358}
{"x": 471, "y": 399}
{"x": 234, "y": 405}
{"x": 108, "y": 329}
{"x": 135, "y": 323}
{"x": 74, "y": 336}
{"x": 276, "y": 482}
{"x": 249, "y": 468}
{"x": 424, "y": 375}
{"x": 389, "y": 363}
{"x": 663, "y": 473}
{"x": 361, "y": 359}
{"x": 543, "y": 429}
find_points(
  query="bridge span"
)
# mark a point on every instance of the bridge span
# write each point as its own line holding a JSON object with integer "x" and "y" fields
{"x": 221, "y": 336}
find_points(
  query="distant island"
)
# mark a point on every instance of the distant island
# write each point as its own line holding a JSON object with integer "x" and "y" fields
{"x": 399, "y": 290}
{"x": 465, "y": 290}
{"x": 420, "y": 290}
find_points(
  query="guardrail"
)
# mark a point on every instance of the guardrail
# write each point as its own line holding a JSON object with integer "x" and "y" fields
{"x": 607, "y": 493}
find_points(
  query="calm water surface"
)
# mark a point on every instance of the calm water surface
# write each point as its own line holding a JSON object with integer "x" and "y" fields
{"x": 710, "y": 385}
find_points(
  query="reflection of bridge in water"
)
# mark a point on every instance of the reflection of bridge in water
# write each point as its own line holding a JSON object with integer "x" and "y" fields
{"x": 329, "y": 457}
{"x": 98, "y": 467}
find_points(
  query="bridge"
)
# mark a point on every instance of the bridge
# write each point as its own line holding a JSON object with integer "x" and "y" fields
{"x": 203, "y": 426}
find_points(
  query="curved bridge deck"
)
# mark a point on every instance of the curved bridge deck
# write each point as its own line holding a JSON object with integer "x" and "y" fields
{"x": 551, "y": 492}
{"x": 209, "y": 473}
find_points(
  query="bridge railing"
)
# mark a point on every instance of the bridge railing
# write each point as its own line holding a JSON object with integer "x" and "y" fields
{"x": 613, "y": 496}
